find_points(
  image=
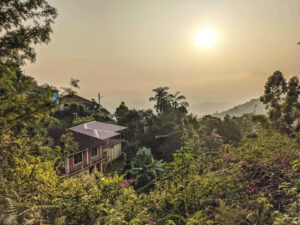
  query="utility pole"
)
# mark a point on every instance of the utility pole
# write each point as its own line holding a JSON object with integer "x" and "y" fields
{"x": 99, "y": 102}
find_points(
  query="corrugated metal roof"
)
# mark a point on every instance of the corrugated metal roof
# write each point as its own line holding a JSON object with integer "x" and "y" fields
{"x": 98, "y": 130}
{"x": 84, "y": 141}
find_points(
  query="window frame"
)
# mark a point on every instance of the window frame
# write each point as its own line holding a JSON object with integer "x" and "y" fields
{"x": 75, "y": 156}
{"x": 96, "y": 148}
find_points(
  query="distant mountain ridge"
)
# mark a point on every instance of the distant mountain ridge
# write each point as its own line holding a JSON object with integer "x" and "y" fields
{"x": 253, "y": 106}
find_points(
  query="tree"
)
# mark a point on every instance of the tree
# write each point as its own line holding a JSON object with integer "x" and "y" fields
{"x": 143, "y": 167}
{"x": 230, "y": 130}
{"x": 20, "y": 105}
{"x": 22, "y": 25}
{"x": 168, "y": 103}
{"x": 161, "y": 100}
{"x": 275, "y": 88}
{"x": 167, "y": 126}
{"x": 281, "y": 100}
{"x": 69, "y": 91}
{"x": 69, "y": 146}
{"x": 138, "y": 123}
{"x": 121, "y": 111}
{"x": 177, "y": 100}
{"x": 290, "y": 107}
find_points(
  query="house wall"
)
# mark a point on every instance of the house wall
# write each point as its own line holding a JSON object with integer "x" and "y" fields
{"x": 73, "y": 168}
{"x": 117, "y": 150}
{"x": 108, "y": 153}
{"x": 87, "y": 161}
{"x": 114, "y": 152}
{"x": 96, "y": 158}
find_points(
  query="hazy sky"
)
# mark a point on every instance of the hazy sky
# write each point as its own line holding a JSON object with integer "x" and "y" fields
{"x": 125, "y": 48}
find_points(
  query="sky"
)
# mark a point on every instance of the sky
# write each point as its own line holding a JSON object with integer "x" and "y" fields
{"x": 125, "y": 48}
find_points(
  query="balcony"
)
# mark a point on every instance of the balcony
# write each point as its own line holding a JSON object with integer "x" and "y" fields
{"x": 85, "y": 166}
{"x": 102, "y": 159}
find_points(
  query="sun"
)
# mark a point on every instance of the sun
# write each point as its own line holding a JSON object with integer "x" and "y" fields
{"x": 206, "y": 38}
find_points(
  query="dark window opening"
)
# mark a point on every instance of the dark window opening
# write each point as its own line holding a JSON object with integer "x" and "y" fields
{"x": 78, "y": 158}
{"x": 94, "y": 152}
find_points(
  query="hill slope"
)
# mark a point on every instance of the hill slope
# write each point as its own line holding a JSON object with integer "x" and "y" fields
{"x": 253, "y": 106}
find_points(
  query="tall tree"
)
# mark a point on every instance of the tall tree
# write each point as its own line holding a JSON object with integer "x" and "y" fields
{"x": 24, "y": 24}
{"x": 281, "y": 100}
{"x": 121, "y": 111}
{"x": 275, "y": 88}
{"x": 20, "y": 106}
{"x": 290, "y": 108}
{"x": 167, "y": 103}
{"x": 161, "y": 99}
{"x": 178, "y": 100}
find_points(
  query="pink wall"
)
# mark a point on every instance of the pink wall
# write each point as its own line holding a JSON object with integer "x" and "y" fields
{"x": 84, "y": 164}
{"x": 78, "y": 166}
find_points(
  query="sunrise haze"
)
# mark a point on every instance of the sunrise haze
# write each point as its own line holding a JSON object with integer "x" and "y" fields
{"x": 124, "y": 49}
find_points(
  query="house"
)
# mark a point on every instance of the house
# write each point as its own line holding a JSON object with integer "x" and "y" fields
{"x": 99, "y": 144}
{"x": 71, "y": 99}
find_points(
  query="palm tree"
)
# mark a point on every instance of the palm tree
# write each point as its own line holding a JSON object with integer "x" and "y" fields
{"x": 177, "y": 100}
{"x": 161, "y": 98}
{"x": 144, "y": 167}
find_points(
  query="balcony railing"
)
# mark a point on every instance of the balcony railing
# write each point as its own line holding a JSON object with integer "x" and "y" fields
{"x": 104, "y": 157}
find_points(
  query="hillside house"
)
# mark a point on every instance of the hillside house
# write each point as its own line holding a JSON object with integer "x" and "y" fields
{"x": 99, "y": 144}
{"x": 71, "y": 99}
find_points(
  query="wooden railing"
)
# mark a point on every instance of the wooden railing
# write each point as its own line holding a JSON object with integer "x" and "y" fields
{"x": 104, "y": 157}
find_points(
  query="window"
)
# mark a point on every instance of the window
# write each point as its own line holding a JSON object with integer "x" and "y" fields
{"x": 94, "y": 152}
{"x": 78, "y": 158}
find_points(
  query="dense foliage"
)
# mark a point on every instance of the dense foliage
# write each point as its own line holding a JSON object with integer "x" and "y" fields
{"x": 281, "y": 99}
{"x": 226, "y": 171}
{"x": 236, "y": 170}
{"x": 160, "y": 131}
{"x": 22, "y": 25}
{"x": 144, "y": 168}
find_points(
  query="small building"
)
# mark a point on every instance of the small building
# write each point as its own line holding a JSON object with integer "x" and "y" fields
{"x": 99, "y": 144}
{"x": 71, "y": 99}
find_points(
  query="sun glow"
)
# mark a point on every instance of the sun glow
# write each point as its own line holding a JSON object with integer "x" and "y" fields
{"x": 206, "y": 38}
